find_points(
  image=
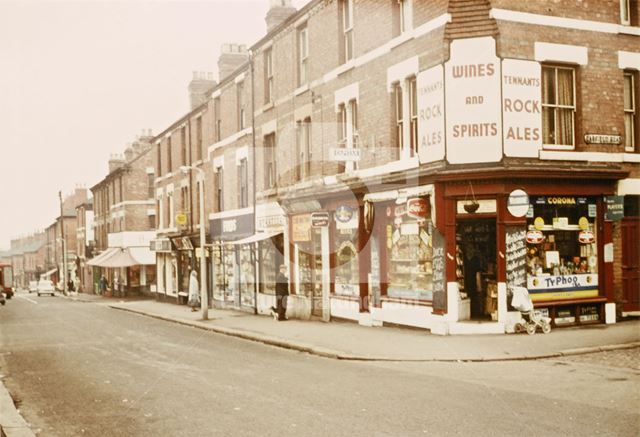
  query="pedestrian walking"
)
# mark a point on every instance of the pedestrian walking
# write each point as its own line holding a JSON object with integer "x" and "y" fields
{"x": 70, "y": 285}
{"x": 194, "y": 292}
{"x": 282, "y": 294}
{"x": 103, "y": 285}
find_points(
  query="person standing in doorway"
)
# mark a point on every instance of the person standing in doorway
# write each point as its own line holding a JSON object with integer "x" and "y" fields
{"x": 103, "y": 285}
{"x": 194, "y": 292}
{"x": 282, "y": 294}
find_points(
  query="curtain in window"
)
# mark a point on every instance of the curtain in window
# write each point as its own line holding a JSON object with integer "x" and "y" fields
{"x": 565, "y": 115}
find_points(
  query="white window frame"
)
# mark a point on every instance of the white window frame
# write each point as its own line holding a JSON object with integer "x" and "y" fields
{"x": 557, "y": 146}
{"x": 630, "y": 141}
{"x": 268, "y": 70}
{"x": 270, "y": 177}
{"x": 406, "y": 15}
{"x": 347, "y": 31}
{"x": 220, "y": 188}
{"x": 303, "y": 54}
{"x": 303, "y": 149}
{"x": 625, "y": 10}
{"x": 241, "y": 112}
{"x": 243, "y": 183}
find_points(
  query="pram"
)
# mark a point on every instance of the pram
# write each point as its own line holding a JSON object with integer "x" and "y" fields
{"x": 529, "y": 319}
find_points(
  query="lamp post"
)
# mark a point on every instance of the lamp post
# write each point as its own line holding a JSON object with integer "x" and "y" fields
{"x": 204, "y": 297}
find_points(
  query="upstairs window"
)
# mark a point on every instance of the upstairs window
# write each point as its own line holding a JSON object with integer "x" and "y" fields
{"x": 625, "y": 12}
{"x": 405, "y": 15}
{"x": 558, "y": 107}
{"x": 183, "y": 145}
{"x": 199, "y": 138}
{"x": 243, "y": 184}
{"x": 240, "y": 101}
{"x": 398, "y": 114}
{"x": 268, "y": 76}
{"x": 348, "y": 130}
{"x": 347, "y": 29}
{"x": 150, "y": 185}
{"x": 159, "y": 159}
{"x": 270, "y": 160}
{"x": 218, "y": 115}
{"x": 413, "y": 115}
{"x": 303, "y": 54}
{"x": 303, "y": 146}
{"x": 169, "y": 164}
{"x": 220, "y": 188}
{"x": 630, "y": 112}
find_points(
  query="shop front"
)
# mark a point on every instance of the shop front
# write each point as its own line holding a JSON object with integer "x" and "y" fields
{"x": 233, "y": 265}
{"x": 563, "y": 258}
{"x": 166, "y": 286}
{"x": 307, "y": 266}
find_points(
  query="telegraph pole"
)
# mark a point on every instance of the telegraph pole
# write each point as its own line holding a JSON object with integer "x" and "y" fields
{"x": 64, "y": 248}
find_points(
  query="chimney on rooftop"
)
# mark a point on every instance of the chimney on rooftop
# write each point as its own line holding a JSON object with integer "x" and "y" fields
{"x": 115, "y": 162}
{"x": 231, "y": 57}
{"x": 279, "y": 11}
{"x": 199, "y": 88}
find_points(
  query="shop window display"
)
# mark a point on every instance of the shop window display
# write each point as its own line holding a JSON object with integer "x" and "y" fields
{"x": 247, "y": 275}
{"x": 562, "y": 258}
{"x": 409, "y": 262}
{"x": 347, "y": 279}
{"x": 220, "y": 279}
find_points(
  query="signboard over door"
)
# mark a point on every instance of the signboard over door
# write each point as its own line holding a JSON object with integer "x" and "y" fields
{"x": 473, "y": 107}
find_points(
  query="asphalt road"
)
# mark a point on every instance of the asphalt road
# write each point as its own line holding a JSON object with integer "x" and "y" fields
{"x": 82, "y": 369}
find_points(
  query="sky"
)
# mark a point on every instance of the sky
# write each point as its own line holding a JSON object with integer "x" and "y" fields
{"x": 80, "y": 80}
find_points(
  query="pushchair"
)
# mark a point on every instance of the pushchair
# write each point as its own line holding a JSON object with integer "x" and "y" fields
{"x": 530, "y": 320}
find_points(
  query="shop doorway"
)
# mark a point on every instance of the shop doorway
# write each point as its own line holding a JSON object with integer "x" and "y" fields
{"x": 476, "y": 264}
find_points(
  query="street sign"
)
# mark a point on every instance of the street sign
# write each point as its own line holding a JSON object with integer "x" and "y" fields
{"x": 344, "y": 154}
{"x": 615, "y": 208}
{"x": 319, "y": 219}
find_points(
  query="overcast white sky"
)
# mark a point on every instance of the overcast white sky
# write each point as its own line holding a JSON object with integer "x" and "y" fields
{"x": 79, "y": 80}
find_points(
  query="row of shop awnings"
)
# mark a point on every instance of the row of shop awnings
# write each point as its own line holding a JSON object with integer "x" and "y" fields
{"x": 116, "y": 257}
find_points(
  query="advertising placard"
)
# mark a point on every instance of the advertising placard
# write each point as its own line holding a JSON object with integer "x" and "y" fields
{"x": 521, "y": 108}
{"x": 430, "y": 102}
{"x": 473, "y": 106}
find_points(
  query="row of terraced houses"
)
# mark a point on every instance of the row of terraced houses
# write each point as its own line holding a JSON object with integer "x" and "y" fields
{"x": 409, "y": 161}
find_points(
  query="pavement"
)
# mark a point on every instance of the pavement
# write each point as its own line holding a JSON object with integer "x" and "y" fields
{"x": 350, "y": 341}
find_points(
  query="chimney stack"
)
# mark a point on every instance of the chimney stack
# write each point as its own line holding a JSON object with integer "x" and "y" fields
{"x": 115, "y": 162}
{"x": 231, "y": 57}
{"x": 199, "y": 88}
{"x": 279, "y": 11}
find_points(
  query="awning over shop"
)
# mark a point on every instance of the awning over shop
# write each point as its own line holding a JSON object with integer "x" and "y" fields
{"x": 256, "y": 237}
{"x": 49, "y": 273}
{"x": 116, "y": 257}
{"x": 103, "y": 256}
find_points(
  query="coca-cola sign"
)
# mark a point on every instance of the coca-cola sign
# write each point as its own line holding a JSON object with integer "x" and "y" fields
{"x": 417, "y": 208}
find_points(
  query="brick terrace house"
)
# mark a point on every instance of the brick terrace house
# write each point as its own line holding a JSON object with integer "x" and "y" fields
{"x": 124, "y": 221}
{"x": 413, "y": 161}
{"x": 85, "y": 245}
{"x": 178, "y": 158}
{"x": 413, "y": 127}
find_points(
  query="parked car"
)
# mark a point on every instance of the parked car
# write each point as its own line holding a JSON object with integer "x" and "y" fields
{"x": 45, "y": 286}
{"x": 33, "y": 286}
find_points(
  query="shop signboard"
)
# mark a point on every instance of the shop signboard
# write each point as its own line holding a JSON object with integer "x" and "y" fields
{"x": 319, "y": 219}
{"x": 439, "y": 278}
{"x": 345, "y": 154}
{"x": 346, "y": 217}
{"x": 521, "y": 108}
{"x": 550, "y": 287}
{"x": 615, "y": 208}
{"x": 516, "y": 256}
{"x": 430, "y": 101}
{"x": 301, "y": 227}
{"x": 417, "y": 208}
{"x": 473, "y": 102}
{"x": 518, "y": 203}
{"x": 231, "y": 228}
